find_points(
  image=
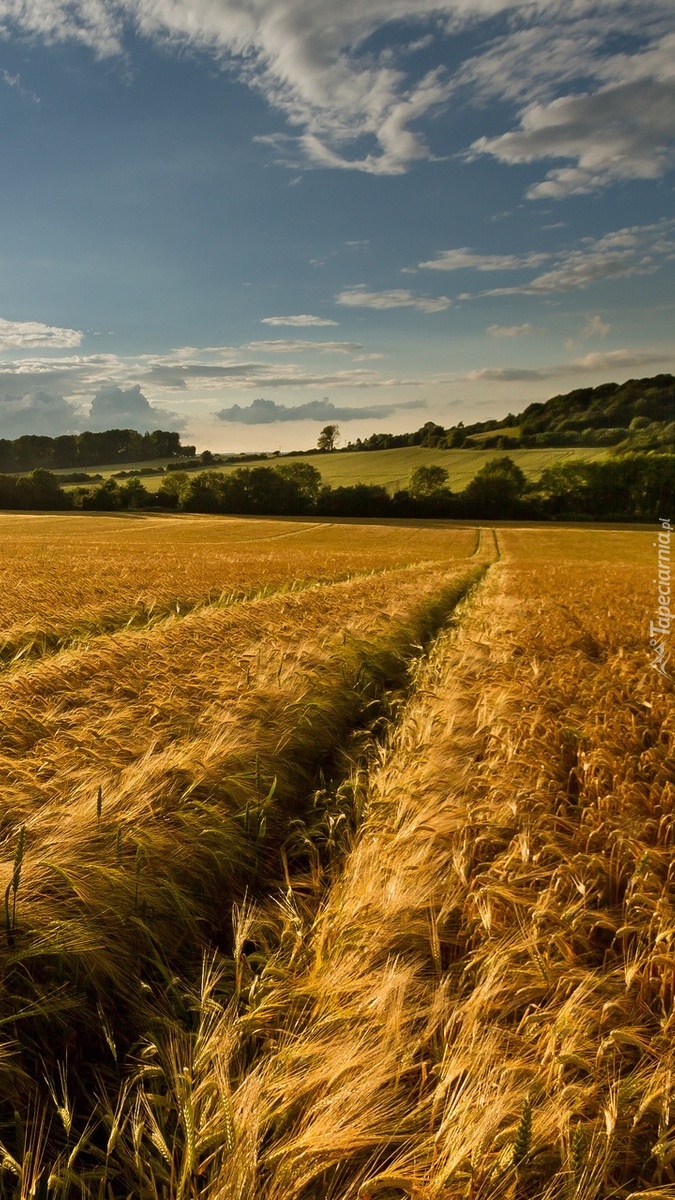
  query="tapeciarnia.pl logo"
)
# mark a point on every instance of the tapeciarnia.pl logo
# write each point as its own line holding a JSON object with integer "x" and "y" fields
{"x": 659, "y": 630}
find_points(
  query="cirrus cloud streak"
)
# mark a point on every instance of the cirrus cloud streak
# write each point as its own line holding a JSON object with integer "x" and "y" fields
{"x": 299, "y": 321}
{"x": 598, "y": 362}
{"x": 352, "y": 108}
{"x": 359, "y": 297}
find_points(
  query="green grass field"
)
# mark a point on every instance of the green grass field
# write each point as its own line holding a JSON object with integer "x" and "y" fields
{"x": 392, "y": 468}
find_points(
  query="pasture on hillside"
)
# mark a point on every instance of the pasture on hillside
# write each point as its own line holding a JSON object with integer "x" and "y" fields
{"x": 393, "y": 468}
{"x": 337, "y": 862}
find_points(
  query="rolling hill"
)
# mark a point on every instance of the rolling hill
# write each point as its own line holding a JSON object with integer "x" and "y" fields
{"x": 392, "y": 468}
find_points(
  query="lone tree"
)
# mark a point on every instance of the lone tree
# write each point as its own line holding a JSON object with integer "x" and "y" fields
{"x": 495, "y": 490}
{"x": 424, "y": 481}
{"x": 328, "y": 437}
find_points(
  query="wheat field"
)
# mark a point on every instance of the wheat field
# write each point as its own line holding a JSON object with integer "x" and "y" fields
{"x": 63, "y": 580}
{"x": 337, "y": 863}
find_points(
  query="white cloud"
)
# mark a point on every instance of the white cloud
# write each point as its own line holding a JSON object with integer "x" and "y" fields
{"x": 595, "y": 327}
{"x": 622, "y": 130}
{"x": 38, "y": 412}
{"x": 93, "y": 23}
{"x": 302, "y": 54}
{"x": 529, "y": 63}
{"x": 14, "y": 81}
{"x": 598, "y": 364}
{"x": 465, "y": 257}
{"x": 513, "y": 331}
{"x": 420, "y": 43}
{"x": 631, "y": 251}
{"x": 254, "y": 374}
{"x": 609, "y": 359}
{"x": 73, "y": 375}
{"x": 292, "y": 346}
{"x": 509, "y": 374}
{"x": 386, "y": 113}
{"x": 308, "y": 59}
{"x": 117, "y": 408}
{"x": 300, "y": 320}
{"x": 268, "y": 412}
{"x": 358, "y": 297}
{"x": 634, "y": 250}
{"x": 197, "y": 371}
{"x": 29, "y": 334}
{"x": 537, "y": 58}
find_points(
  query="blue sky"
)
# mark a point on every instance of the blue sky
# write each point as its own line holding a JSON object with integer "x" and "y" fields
{"x": 376, "y": 211}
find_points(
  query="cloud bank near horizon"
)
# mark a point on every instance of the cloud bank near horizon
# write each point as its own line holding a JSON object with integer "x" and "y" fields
{"x": 48, "y": 413}
{"x": 268, "y": 412}
{"x": 604, "y": 361}
{"x": 129, "y": 409}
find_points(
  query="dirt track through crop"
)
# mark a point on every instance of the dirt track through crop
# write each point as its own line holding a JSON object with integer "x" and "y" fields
{"x": 448, "y": 977}
{"x": 484, "y": 1005}
{"x": 159, "y": 772}
{"x": 77, "y": 719}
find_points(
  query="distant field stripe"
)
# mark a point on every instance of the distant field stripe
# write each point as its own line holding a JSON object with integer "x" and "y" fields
{"x": 486, "y": 544}
{"x": 584, "y": 544}
{"x": 271, "y": 537}
{"x": 392, "y": 468}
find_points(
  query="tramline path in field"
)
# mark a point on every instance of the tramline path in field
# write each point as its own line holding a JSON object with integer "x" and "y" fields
{"x": 151, "y": 777}
{"x": 448, "y": 974}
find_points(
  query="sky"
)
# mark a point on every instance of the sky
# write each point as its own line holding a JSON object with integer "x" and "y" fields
{"x": 245, "y": 219}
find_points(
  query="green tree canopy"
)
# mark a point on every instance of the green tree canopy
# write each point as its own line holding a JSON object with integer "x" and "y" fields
{"x": 424, "y": 481}
{"x": 328, "y": 437}
{"x": 496, "y": 488}
{"x": 306, "y": 477}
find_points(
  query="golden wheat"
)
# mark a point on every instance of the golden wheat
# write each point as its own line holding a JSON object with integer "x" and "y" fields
{"x": 139, "y": 831}
{"x": 483, "y": 1006}
{"x": 64, "y": 578}
{"x": 452, "y": 976}
{"x": 74, "y": 721}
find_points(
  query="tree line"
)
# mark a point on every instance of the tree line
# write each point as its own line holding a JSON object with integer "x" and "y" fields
{"x": 630, "y": 487}
{"x": 635, "y": 415}
{"x": 89, "y": 449}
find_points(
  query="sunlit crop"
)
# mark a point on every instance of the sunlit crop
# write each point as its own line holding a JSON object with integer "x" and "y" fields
{"x": 357, "y": 890}
{"x": 66, "y": 578}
